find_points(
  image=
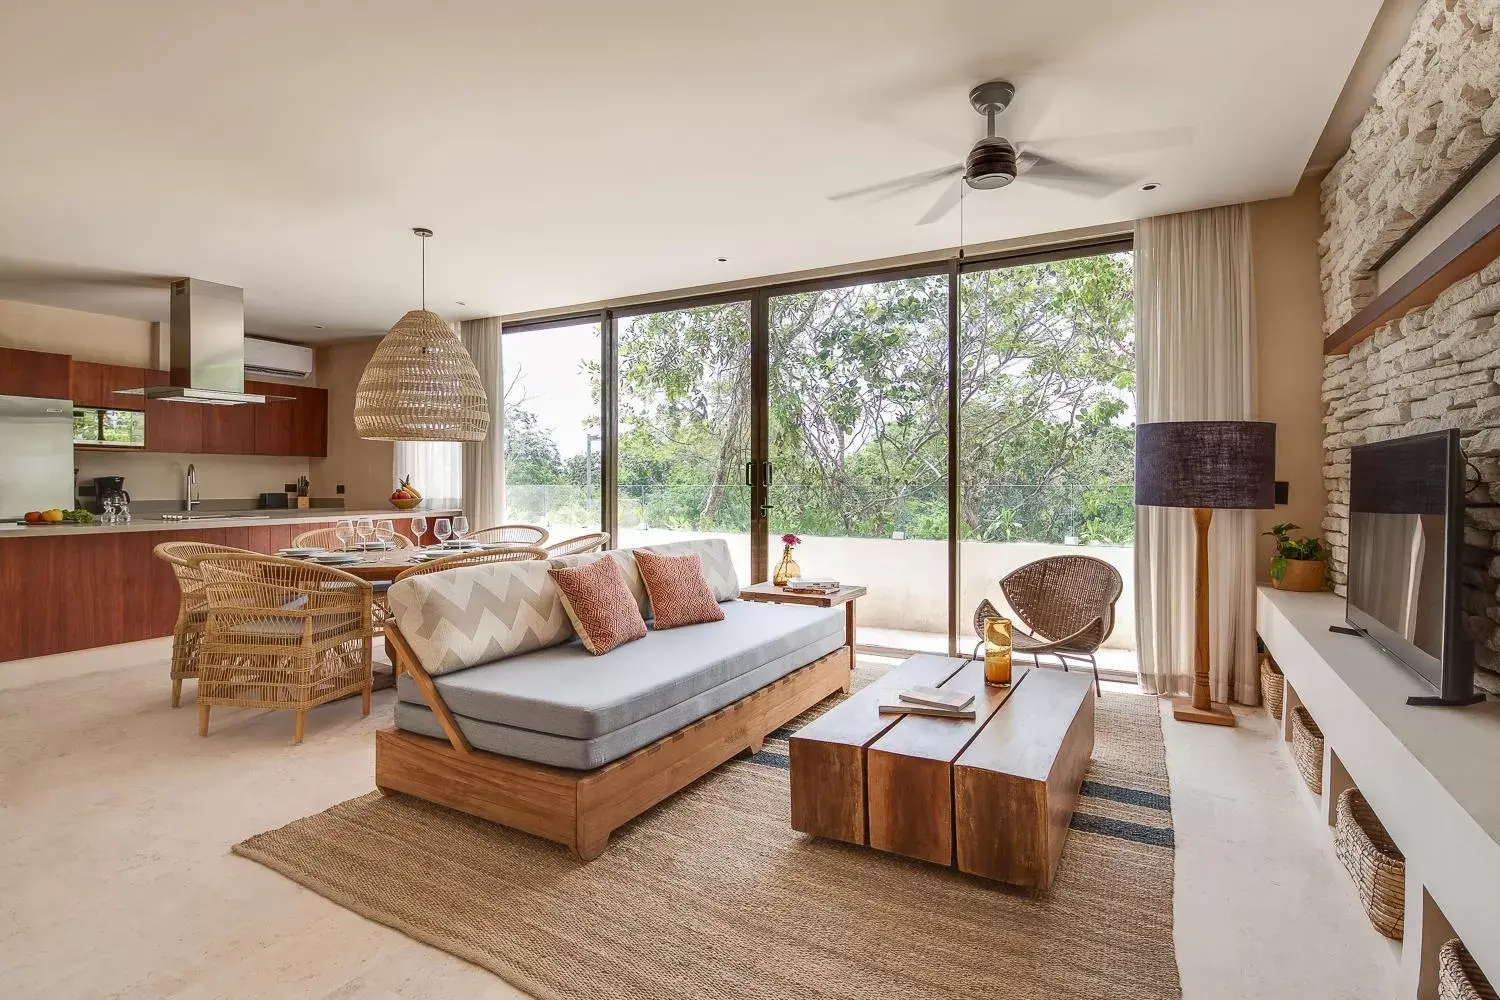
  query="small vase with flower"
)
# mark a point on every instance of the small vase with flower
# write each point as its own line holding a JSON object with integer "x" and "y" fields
{"x": 787, "y": 569}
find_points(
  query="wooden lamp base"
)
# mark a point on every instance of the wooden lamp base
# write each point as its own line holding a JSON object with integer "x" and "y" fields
{"x": 1199, "y": 708}
{"x": 1216, "y": 714}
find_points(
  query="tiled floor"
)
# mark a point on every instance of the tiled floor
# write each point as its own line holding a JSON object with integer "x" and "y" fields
{"x": 116, "y": 881}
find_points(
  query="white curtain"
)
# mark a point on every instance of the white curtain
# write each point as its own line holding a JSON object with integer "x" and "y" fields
{"x": 1195, "y": 360}
{"x": 484, "y": 461}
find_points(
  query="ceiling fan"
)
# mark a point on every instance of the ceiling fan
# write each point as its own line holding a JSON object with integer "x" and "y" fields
{"x": 995, "y": 162}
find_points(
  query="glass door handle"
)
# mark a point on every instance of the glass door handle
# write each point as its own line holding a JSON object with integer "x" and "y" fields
{"x": 749, "y": 473}
{"x": 769, "y": 470}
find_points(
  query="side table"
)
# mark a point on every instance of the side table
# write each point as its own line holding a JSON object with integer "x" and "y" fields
{"x": 845, "y": 595}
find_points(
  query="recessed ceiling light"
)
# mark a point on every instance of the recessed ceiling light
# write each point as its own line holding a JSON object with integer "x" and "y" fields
{"x": 722, "y": 260}
{"x": 1152, "y": 186}
{"x": 317, "y": 326}
{"x": 459, "y": 303}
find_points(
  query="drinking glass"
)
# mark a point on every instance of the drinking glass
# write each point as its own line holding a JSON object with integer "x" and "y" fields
{"x": 460, "y": 527}
{"x": 384, "y": 531}
{"x": 418, "y": 528}
{"x": 442, "y": 528}
{"x": 344, "y": 532}
{"x": 363, "y": 529}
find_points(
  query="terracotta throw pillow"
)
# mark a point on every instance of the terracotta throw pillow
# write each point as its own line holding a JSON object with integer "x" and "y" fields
{"x": 679, "y": 593}
{"x": 600, "y": 605}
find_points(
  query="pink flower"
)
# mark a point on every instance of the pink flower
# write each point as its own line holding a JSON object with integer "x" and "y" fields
{"x": 790, "y": 539}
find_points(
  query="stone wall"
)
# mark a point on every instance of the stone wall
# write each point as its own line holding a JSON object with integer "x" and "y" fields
{"x": 1433, "y": 369}
{"x": 1434, "y": 113}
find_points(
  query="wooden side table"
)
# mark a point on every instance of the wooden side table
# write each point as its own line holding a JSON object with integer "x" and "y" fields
{"x": 845, "y": 595}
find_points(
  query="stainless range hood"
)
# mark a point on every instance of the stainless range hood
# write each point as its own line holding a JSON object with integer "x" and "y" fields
{"x": 207, "y": 339}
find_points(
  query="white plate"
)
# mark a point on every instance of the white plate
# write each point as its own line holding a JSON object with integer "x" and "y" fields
{"x": 300, "y": 552}
{"x": 335, "y": 558}
{"x": 375, "y": 546}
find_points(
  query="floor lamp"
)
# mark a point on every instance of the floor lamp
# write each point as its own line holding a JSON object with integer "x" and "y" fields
{"x": 1205, "y": 465}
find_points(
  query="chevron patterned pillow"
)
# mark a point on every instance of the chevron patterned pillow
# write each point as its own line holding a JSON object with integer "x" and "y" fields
{"x": 477, "y": 614}
{"x": 600, "y": 605}
{"x": 679, "y": 594}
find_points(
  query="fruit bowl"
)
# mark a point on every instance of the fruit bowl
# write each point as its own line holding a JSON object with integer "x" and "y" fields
{"x": 409, "y": 504}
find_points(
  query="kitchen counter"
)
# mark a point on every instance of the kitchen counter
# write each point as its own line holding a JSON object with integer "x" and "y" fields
{"x": 216, "y": 519}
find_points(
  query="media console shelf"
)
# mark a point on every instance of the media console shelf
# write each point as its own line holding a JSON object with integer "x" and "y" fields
{"x": 1432, "y": 775}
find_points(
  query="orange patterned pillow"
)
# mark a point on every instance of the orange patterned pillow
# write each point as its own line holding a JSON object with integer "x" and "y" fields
{"x": 600, "y": 604}
{"x": 679, "y": 594}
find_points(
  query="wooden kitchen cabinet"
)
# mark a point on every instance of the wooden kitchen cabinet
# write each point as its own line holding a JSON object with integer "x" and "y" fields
{"x": 34, "y": 373}
{"x": 96, "y": 384}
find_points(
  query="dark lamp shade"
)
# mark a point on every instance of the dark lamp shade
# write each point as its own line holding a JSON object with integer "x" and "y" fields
{"x": 1218, "y": 464}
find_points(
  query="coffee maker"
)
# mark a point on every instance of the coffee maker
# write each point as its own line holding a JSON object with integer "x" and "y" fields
{"x": 107, "y": 488}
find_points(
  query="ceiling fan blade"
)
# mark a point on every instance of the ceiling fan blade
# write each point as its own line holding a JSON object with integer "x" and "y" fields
{"x": 891, "y": 187}
{"x": 946, "y": 202}
{"x": 1052, "y": 172}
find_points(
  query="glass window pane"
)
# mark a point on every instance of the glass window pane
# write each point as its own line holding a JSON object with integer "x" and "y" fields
{"x": 1046, "y": 420}
{"x": 684, "y": 404}
{"x": 552, "y": 454}
{"x": 859, "y": 447}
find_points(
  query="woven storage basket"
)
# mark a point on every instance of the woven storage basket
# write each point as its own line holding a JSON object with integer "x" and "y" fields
{"x": 1307, "y": 748}
{"x": 1459, "y": 977}
{"x": 1372, "y": 860}
{"x": 1272, "y": 686}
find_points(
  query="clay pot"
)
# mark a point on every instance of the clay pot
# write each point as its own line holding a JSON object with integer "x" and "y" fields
{"x": 1303, "y": 575}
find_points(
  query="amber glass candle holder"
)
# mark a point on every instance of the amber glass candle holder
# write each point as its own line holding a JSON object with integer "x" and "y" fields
{"x": 997, "y": 651}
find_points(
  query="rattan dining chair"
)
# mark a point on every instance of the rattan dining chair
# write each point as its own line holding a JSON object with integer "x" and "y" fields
{"x": 511, "y": 534}
{"x": 192, "y": 607}
{"x": 328, "y": 538}
{"x": 595, "y": 541}
{"x": 281, "y": 634}
{"x": 479, "y": 557}
{"x": 1067, "y": 602}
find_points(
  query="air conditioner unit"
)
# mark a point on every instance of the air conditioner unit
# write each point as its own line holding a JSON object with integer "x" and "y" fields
{"x": 272, "y": 359}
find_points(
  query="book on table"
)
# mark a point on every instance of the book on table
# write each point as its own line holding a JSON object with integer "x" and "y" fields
{"x": 937, "y": 697}
{"x": 892, "y": 704}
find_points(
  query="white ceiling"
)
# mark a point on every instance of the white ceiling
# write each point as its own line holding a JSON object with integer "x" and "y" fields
{"x": 571, "y": 152}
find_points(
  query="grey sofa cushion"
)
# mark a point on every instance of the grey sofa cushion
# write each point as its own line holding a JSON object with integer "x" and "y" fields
{"x": 586, "y": 754}
{"x": 566, "y": 691}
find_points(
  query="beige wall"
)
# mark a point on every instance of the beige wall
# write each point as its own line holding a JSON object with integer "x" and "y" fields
{"x": 117, "y": 341}
{"x": 1289, "y": 353}
{"x": 363, "y": 467}
{"x": 85, "y": 336}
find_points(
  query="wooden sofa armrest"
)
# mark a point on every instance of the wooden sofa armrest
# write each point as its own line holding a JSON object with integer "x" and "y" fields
{"x": 407, "y": 661}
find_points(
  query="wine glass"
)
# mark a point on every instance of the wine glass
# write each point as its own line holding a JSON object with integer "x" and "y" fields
{"x": 418, "y": 527}
{"x": 344, "y": 532}
{"x": 442, "y": 528}
{"x": 384, "y": 531}
{"x": 460, "y": 527}
{"x": 363, "y": 529}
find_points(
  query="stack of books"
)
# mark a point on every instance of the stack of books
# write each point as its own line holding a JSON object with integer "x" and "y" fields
{"x": 812, "y": 585}
{"x": 929, "y": 701}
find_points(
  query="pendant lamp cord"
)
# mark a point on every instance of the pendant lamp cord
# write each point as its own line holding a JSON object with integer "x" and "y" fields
{"x": 423, "y": 241}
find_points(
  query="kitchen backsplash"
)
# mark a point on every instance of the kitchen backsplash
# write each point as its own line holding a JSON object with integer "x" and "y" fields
{"x": 150, "y": 476}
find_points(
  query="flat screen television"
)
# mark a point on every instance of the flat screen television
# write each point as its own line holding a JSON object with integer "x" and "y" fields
{"x": 1406, "y": 523}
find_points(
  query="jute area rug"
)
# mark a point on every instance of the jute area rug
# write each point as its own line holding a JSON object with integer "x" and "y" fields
{"x": 713, "y": 895}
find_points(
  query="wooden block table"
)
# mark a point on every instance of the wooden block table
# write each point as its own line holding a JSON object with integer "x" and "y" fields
{"x": 845, "y": 595}
{"x": 992, "y": 795}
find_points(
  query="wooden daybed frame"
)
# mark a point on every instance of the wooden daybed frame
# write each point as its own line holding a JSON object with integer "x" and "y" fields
{"x": 580, "y": 809}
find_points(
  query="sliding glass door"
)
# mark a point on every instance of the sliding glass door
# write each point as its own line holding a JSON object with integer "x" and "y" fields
{"x": 553, "y": 456}
{"x": 1046, "y": 388}
{"x": 684, "y": 427}
{"x": 923, "y": 432}
{"x": 858, "y": 447}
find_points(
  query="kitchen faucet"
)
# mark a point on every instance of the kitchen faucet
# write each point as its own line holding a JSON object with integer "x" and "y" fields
{"x": 190, "y": 488}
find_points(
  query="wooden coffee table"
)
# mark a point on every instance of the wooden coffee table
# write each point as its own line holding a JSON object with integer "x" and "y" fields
{"x": 992, "y": 796}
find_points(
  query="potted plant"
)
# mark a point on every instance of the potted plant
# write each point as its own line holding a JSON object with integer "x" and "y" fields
{"x": 1300, "y": 564}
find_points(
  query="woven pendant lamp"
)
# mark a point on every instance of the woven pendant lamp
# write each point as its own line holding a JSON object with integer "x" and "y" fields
{"x": 421, "y": 384}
